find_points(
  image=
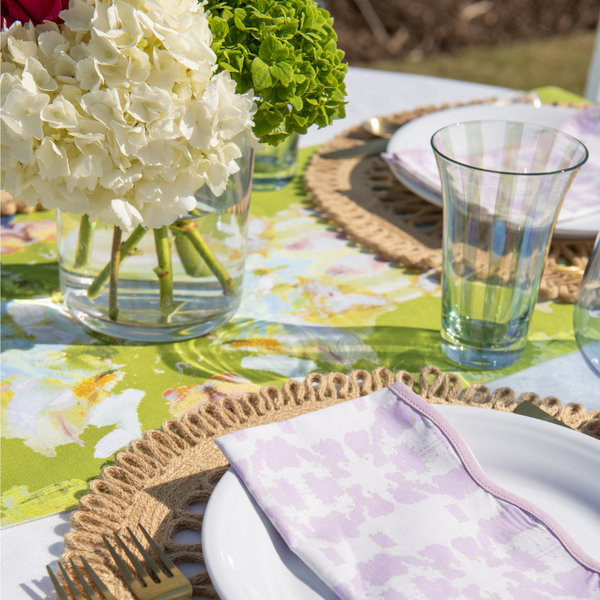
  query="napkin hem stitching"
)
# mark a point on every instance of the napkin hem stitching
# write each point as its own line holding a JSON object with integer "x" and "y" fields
{"x": 474, "y": 469}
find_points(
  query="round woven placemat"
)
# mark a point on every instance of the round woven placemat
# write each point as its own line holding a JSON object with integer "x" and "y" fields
{"x": 361, "y": 195}
{"x": 156, "y": 480}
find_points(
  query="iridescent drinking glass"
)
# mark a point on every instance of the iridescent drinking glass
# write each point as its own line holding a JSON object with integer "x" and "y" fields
{"x": 503, "y": 184}
{"x": 586, "y": 312}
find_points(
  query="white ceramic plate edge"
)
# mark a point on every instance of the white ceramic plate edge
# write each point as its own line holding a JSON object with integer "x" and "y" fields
{"x": 569, "y": 466}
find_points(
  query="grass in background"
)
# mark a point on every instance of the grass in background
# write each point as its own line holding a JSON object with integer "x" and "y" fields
{"x": 561, "y": 61}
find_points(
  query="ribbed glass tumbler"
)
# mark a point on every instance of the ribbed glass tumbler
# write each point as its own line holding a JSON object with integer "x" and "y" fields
{"x": 586, "y": 312}
{"x": 503, "y": 184}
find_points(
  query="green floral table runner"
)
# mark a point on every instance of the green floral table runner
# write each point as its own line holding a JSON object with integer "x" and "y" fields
{"x": 313, "y": 301}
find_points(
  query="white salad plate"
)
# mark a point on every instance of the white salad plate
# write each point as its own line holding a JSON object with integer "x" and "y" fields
{"x": 416, "y": 135}
{"x": 555, "y": 468}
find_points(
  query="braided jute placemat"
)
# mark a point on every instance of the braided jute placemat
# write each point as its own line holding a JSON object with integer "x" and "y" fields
{"x": 156, "y": 480}
{"x": 361, "y": 195}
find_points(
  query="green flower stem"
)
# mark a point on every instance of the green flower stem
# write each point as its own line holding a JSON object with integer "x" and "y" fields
{"x": 190, "y": 259}
{"x": 115, "y": 260}
{"x": 126, "y": 247}
{"x": 164, "y": 270}
{"x": 84, "y": 243}
{"x": 191, "y": 231}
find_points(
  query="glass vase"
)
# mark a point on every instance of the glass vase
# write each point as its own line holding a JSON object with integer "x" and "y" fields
{"x": 202, "y": 289}
{"x": 503, "y": 184}
{"x": 275, "y": 166}
{"x": 586, "y": 312}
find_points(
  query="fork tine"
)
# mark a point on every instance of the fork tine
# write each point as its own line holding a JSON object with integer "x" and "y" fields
{"x": 86, "y": 586}
{"x": 166, "y": 560}
{"x": 131, "y": 582}
{"x": 76, "y": 593}
{"x": 99, "y": 584}
{"x": 135, "y": 562}
{"x": 146, "y": 556}
{"x": 59, "y": 591}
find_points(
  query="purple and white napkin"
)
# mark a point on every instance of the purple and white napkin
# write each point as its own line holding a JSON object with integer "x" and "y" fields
{"x": 583, "y": 198}
{"x": 381, "y": 498}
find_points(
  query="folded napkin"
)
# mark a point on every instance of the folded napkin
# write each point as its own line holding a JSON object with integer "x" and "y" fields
{"x": 381, "y": 498}
{"x": 582, "y": 199}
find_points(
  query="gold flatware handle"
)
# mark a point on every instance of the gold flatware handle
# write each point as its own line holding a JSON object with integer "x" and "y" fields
{"x": 366, "y": 149}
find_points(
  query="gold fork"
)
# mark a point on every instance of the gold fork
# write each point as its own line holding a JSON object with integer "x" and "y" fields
{"x": 92, "y": 595}
{"x": 175, "y": 587}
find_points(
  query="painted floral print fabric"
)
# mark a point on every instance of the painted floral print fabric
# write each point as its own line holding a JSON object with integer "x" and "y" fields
{"x": 381, "y": 498}
{"x": 313, "y": 301}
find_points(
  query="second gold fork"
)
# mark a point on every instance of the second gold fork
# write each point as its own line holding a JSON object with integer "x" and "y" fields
{"x": 174, "y": 586}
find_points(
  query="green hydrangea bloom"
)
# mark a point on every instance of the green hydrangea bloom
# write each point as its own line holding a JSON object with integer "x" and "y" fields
{"x": 286, "y": 50}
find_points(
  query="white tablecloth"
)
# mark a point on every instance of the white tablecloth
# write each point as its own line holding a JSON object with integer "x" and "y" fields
{"x": 28, "y": 548}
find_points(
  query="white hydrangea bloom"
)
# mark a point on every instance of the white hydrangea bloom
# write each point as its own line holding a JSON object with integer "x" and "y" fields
{"x": 34, "y": 74}
{"x": 122, "y": 212}
{"x": 21, "y": 112}
{"x": 147, "y": 104}
{"x": 21, "y": 151}
{"x": 50, "y": 45}
{"x": 88, "y": 73}
{"x": 52, "y": 161}
{"x": 138, "y": 67}
{"x": 118, "y": 113}
{"x": 60, "y": 114}
{"x": 196, "y": 125}
{"x": 79, "y": 16}
{"x": 21, "y": 50}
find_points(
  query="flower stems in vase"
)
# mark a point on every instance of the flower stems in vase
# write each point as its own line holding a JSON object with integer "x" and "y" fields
{"x": 190, "y": 259}
{"x": 190, "y": 230}
{"x": 115, "y": 260}
{"x": 196, "y": 257}
{"x": 164, "y": 269}
{"x": 126, "y": 248}
{"x": 84, "y": 243}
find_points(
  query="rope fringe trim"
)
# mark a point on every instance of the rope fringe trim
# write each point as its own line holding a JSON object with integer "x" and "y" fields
{"x": 157, "y": 479}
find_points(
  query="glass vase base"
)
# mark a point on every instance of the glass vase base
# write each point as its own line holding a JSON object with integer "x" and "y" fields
{"x": 158, "y": 334}
{"x": 196, "y": 309}
{"x": 480, "y": 358}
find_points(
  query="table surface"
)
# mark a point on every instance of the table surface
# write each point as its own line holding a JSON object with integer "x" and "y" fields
{"x": 405, "y": 305}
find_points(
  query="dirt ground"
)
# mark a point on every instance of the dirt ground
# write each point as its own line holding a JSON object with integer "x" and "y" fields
{"x": 416, "y": 28}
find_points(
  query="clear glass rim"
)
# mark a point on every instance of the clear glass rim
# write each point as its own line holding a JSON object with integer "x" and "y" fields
{"x": 498, "y": 172}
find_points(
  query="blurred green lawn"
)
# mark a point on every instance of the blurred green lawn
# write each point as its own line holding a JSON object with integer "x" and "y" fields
{"x": 561, "y": 61}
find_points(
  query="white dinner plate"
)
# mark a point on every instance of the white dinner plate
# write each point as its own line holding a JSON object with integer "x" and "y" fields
{"x": 555, "y": 468}
{"x": 416, "y": 135}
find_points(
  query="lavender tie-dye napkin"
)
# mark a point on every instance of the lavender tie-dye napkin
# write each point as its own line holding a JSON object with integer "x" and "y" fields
{"x": 381, "y": 498}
